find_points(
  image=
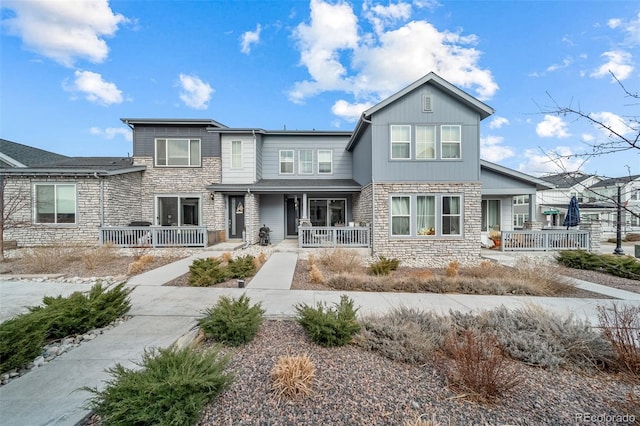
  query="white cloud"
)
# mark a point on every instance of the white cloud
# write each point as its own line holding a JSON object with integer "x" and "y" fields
{"x": 552, "y": 127}
{"x": 250, "y": 38}
{"x": 64, "y": 30}
{"x": 611, "y": 123}
{"x": 95, "y": 89}
{"x": 565, "y": 63}
{"x": 618, "y": 63}
{"x": 562, "y": 159}
{"x": 342, "y": 56}
{"x": 630, "y": 28}
{"x": 491, "y": 149}
{"x": 497, "y": 122}
{"x": 195, "y": 92}
{"x": 112, "y": 132}
{"x": 348, "y": 111}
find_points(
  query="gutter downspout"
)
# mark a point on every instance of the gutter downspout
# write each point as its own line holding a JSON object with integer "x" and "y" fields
{"x": 373, "y": 189}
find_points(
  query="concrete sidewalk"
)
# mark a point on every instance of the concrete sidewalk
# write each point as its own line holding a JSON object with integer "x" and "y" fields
{"x": 162, "y": 315}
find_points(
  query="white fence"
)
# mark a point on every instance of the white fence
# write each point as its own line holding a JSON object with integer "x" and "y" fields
{"x": 544, "y": 240}
{"x": 154, "y": 236}
{"x": 333, "y": 236}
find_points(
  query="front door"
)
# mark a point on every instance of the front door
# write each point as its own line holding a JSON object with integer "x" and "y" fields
{"x": 292, "y": 217}
{"x": 236, "y": 216}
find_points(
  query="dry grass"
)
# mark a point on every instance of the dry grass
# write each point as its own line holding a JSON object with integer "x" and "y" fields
{"x": 226, "y": 256}
{"x": 49, "y": 259}
{"x": 621, "y": 327}
{"x": 140, "y": 264}
{"x": 477, "y": 366}
{"x": 259, "y": 260}
{"x": 93, "y": 256}
{"x": 315, "y": 275}
{"x": 292, "y": 376}
{"x": 452, "y": 269}
{"x": 340, "y": 261}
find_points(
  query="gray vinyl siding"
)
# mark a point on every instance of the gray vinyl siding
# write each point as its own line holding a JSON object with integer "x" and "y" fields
{"x": 499, "y": 184}
{"x": 272, "y": 215}
{"x": 446, "y": 111}
{"x": 362, "y": 159}
{"x": 259, "y": 157}
{"x": 341, "y": 159}
{"x": 144, "y": 139}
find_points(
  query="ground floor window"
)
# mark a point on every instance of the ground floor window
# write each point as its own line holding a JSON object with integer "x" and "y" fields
{"x": 491, "y": 215}
{"x": 519, "y": 219}
{"x": 177, "y": 210}
{"x": 328, "y": 212}
{"x": 55, "y": 202}
{"x": 426, "y": 215}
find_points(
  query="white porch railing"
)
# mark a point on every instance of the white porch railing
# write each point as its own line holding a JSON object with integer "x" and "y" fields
{"x": 154, "y": 236}
{"x": 333, "y": 236}
{"x": 544, "y": 240}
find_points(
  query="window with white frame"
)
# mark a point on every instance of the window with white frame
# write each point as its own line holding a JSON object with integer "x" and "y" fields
{"x": 178, "y": 152}
{"x": 55, "y": 203}
{"x": 519, "y": 219}
{"x": 325, "y": 161}
{"x": 177, "y": 210}
{"x": 635, "y": 195}
{"x": 286, "y": 161}
{"x": 305, "y": 161}
{"x": 451, "y": 215}
{"x": 426, "y": 214}
{"x": 425, "y": 142}
{"x": 450, "y": 141}
{"x": 236, "y": 154}
{"x": 400, "y": 216}
{"x": 400, "y": 142}
{"x": 521, "y": 199}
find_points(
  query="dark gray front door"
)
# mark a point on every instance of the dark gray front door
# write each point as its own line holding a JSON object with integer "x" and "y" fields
{"x": 236, "y": 216}
{"x": 292, "y": 217}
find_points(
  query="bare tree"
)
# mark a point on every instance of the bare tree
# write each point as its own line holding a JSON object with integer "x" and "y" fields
{"x": 10, "y": 206}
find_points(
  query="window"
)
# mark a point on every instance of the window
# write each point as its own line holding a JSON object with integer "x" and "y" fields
{"x": 236, "y": 154}
{"x": 426, "y": 215}
{"x": 400, "y": 142}
{"x": 178, "y": 211}
{"x": 178, "y": 152}
{"x": 635, "y": 195}
{"x": 490, "y": 214}
{"x": 325, "y": 161}
{"x": 400, "y": 215}
{"x": 323, "y": 212}
{"x": 519, "y": 219}
{"x": 55, "y": 203}
{"x": 450, "y": 139}
{"x": 521, "y": 199}
{"x": 305, "y": 161}
{"x": 425, "y": 142}
{"x": 451, "y": 215}
{"x": 286, "y": 161}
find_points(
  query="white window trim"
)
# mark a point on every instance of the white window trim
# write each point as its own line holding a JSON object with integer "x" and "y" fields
{"x": 300, "y": 169}
{"x": 413, "y": 216}
{"x": 391, "y": 142}
{"x": 231, "y": 154}
{"x": 442, "y": 142}
{"x": 435, "y": 142}
{"x": 410, "y": 215}
{"x": 188, "y": 140}
{"x": 330, "y": 151}
{"x": 293, "y": 160}
{"x": 55, "y": 207}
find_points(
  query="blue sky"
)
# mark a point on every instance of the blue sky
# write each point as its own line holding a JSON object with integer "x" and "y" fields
{"x": 69, "y": 70}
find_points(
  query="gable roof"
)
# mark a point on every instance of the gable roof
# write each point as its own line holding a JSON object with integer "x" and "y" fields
{"x": 432, "y": 78}
{"x": 566, "y": 179}
{"x": 13, "y": 154}
{"x": 611, "y": 182}
{"x": 539, "y": 183}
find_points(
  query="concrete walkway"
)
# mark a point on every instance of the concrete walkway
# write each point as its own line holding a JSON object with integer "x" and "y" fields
{"x": 162, "y": 315}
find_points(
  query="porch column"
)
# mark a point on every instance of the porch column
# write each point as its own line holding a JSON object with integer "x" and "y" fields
{"x": 304, "y": 206}
{"x": 532, "y": 208}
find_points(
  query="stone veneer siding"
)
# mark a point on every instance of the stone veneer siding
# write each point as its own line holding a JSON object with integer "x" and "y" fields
{"x": 252, "y": 217}
{"x": 363, "y": 205}
{"x": 182, "y": 180}
{"x": 434, "y": 252}
{"x": 120, "y": 199}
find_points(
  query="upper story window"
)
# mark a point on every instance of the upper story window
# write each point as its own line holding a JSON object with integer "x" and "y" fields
{"x": 178, "y": 152}
{"x": 425, "y": 142}
{"x": 635, "y": 195}
{"x": 521, "y": 199}
{"x": 325, "y": 161}
{"x": 236, "y": 154}
{"x": 55, "y": 203}
{"x": 286, "y": 161}
{"x": 451, "y": 141}
{"x": 400, "y": 142}
{"x": 305, "y": 161}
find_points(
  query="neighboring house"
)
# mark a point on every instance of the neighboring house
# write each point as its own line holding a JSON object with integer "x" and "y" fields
{"x": 596, "y": 196}
{"x": 410, "y": 175}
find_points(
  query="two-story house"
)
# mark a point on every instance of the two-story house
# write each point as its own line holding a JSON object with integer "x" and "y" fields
{"x": 410, "y": 174}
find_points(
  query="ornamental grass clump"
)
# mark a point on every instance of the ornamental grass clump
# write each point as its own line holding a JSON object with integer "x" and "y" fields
{"x": 171, "y": 387}
{"x": 232, "y": 321}
{"x": 620, "y": 325}
{"x": 329, "y": 326}
{"x": 292, "y": 376}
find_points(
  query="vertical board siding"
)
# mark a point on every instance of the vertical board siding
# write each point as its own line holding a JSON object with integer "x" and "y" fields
{"x": 362, "y": 159}
{"x": 272, "y": 215}
{"x": 246, "y": 173}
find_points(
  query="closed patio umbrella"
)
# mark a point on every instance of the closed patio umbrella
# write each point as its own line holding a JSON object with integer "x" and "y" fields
{"x": 573, "y": 213}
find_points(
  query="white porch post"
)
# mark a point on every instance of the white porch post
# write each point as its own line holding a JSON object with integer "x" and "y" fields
{"x": 304, "y": 206}
{"x": 532, "y": 208}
